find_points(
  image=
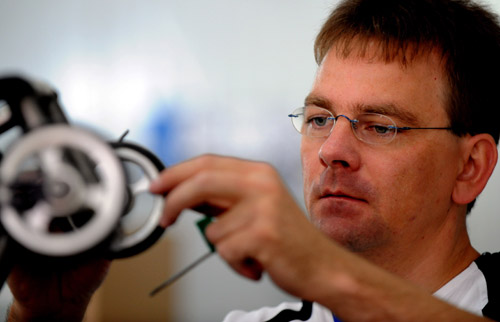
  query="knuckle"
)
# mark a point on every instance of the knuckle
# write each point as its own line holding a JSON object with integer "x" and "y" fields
{"x": 265, "y": 177}
{"x": 265, "y": 168}
{"x": 204, "y": 178}
{"x": 206, "y": 160}
{"x": 226, "y": 252}
{"x": 266, "y": 234}
{"x": 266, "y": 226}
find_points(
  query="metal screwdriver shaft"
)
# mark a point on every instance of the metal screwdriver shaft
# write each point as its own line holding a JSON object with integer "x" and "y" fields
{"x": 202, "y": 225}
{"x": 179, "y": 274}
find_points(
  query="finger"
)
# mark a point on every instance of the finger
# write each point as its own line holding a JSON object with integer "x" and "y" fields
{"x": 211, "y": 210}
{"x": 233, "y": 220}
{"x": 236, "y": 236}
{"x": 249, "y": 268}
{"x": 235, "y": 250}
{"x": 218, "y": 189}
{"x": 171, "y": 177}
{"x": 245, "y": 266}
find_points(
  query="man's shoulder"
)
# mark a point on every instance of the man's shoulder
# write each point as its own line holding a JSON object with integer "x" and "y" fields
{"x": 489, "y": 265}
{"x": 489, "y": 259}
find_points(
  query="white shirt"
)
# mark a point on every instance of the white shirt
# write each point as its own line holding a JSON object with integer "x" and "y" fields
{"x": 467, "y": 291}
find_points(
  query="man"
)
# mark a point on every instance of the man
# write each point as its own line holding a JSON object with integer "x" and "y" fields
{"x": 399, "y": 138}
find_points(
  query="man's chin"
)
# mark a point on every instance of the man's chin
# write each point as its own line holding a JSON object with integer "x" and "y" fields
{"x": 355, "y": 236}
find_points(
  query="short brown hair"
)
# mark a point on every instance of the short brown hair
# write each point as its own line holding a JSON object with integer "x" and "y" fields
{"x": 466, "y": 34}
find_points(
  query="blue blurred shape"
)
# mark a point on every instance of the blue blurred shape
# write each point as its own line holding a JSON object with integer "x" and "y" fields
{"x": 163, "y": 132}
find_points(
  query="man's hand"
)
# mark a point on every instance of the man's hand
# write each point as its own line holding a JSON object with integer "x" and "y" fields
{"x": 54, "y": 290}
{"x": 260, "y": 225}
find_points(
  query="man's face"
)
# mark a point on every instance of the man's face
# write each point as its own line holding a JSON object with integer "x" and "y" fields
{"x": 381, "y": 197}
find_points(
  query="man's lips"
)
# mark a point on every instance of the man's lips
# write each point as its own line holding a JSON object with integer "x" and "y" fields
{"x": 335, "y": 187}
{"x": 336, "y": 205}
{"x": 340, "y": 196}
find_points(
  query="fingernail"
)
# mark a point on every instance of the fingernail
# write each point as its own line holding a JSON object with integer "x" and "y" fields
{"x": 155, "y": 185}
{"x": 165, "y": 222}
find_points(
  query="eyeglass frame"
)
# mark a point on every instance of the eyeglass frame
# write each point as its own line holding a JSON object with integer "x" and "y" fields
{"x": 353, "y": 123}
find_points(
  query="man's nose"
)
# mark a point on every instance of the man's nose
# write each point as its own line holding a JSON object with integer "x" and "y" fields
{"x": 340, "y": 148}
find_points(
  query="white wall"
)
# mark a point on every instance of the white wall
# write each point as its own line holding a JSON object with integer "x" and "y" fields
{"x": 188, "y": 77}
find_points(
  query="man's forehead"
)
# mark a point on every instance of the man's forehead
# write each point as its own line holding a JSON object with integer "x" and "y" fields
{"x": 426, "y": 78}
{"x": 388, "y": 51}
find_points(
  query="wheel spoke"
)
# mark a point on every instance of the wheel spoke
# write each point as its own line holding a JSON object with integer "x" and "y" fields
{"x": 140, "y": 185}
{"x": 51, "y": 160}
{"x": 94, "y": 196}
{"x": 39, "y": 217}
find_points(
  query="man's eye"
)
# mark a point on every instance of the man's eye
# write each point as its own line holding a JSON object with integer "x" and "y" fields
{"x": 381, "y": 129}
{"x": 378, "y": 129}
{"x": 319, "y": 121}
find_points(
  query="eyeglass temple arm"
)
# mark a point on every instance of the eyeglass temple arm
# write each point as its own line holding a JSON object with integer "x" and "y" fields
{"x": 421, "y": 128}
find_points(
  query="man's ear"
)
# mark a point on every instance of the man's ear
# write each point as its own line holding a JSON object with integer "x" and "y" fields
{"x": 480, "y": 157}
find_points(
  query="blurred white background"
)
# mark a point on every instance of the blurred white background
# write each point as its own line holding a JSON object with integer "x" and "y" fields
{"x": 188, "y": 77}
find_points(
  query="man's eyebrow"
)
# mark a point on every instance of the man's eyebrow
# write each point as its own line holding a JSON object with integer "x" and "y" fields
{"x": 319, "y": 101}
{"x": 390, "y": 110}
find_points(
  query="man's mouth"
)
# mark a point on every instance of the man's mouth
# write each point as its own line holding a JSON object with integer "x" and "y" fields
{"x": 340, "y": 196}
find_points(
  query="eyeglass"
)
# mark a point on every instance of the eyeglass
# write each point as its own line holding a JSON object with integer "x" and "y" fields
{"x": 371, "y": 128}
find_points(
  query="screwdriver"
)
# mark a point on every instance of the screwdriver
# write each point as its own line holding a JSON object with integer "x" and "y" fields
{"x": 202, "y": 225}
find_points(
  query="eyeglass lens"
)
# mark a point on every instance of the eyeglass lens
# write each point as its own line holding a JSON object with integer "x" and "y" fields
{"x": 318, "y": 122}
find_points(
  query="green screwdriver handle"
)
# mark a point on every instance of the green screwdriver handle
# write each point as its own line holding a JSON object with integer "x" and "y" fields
{"x": 202, "y": 225}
